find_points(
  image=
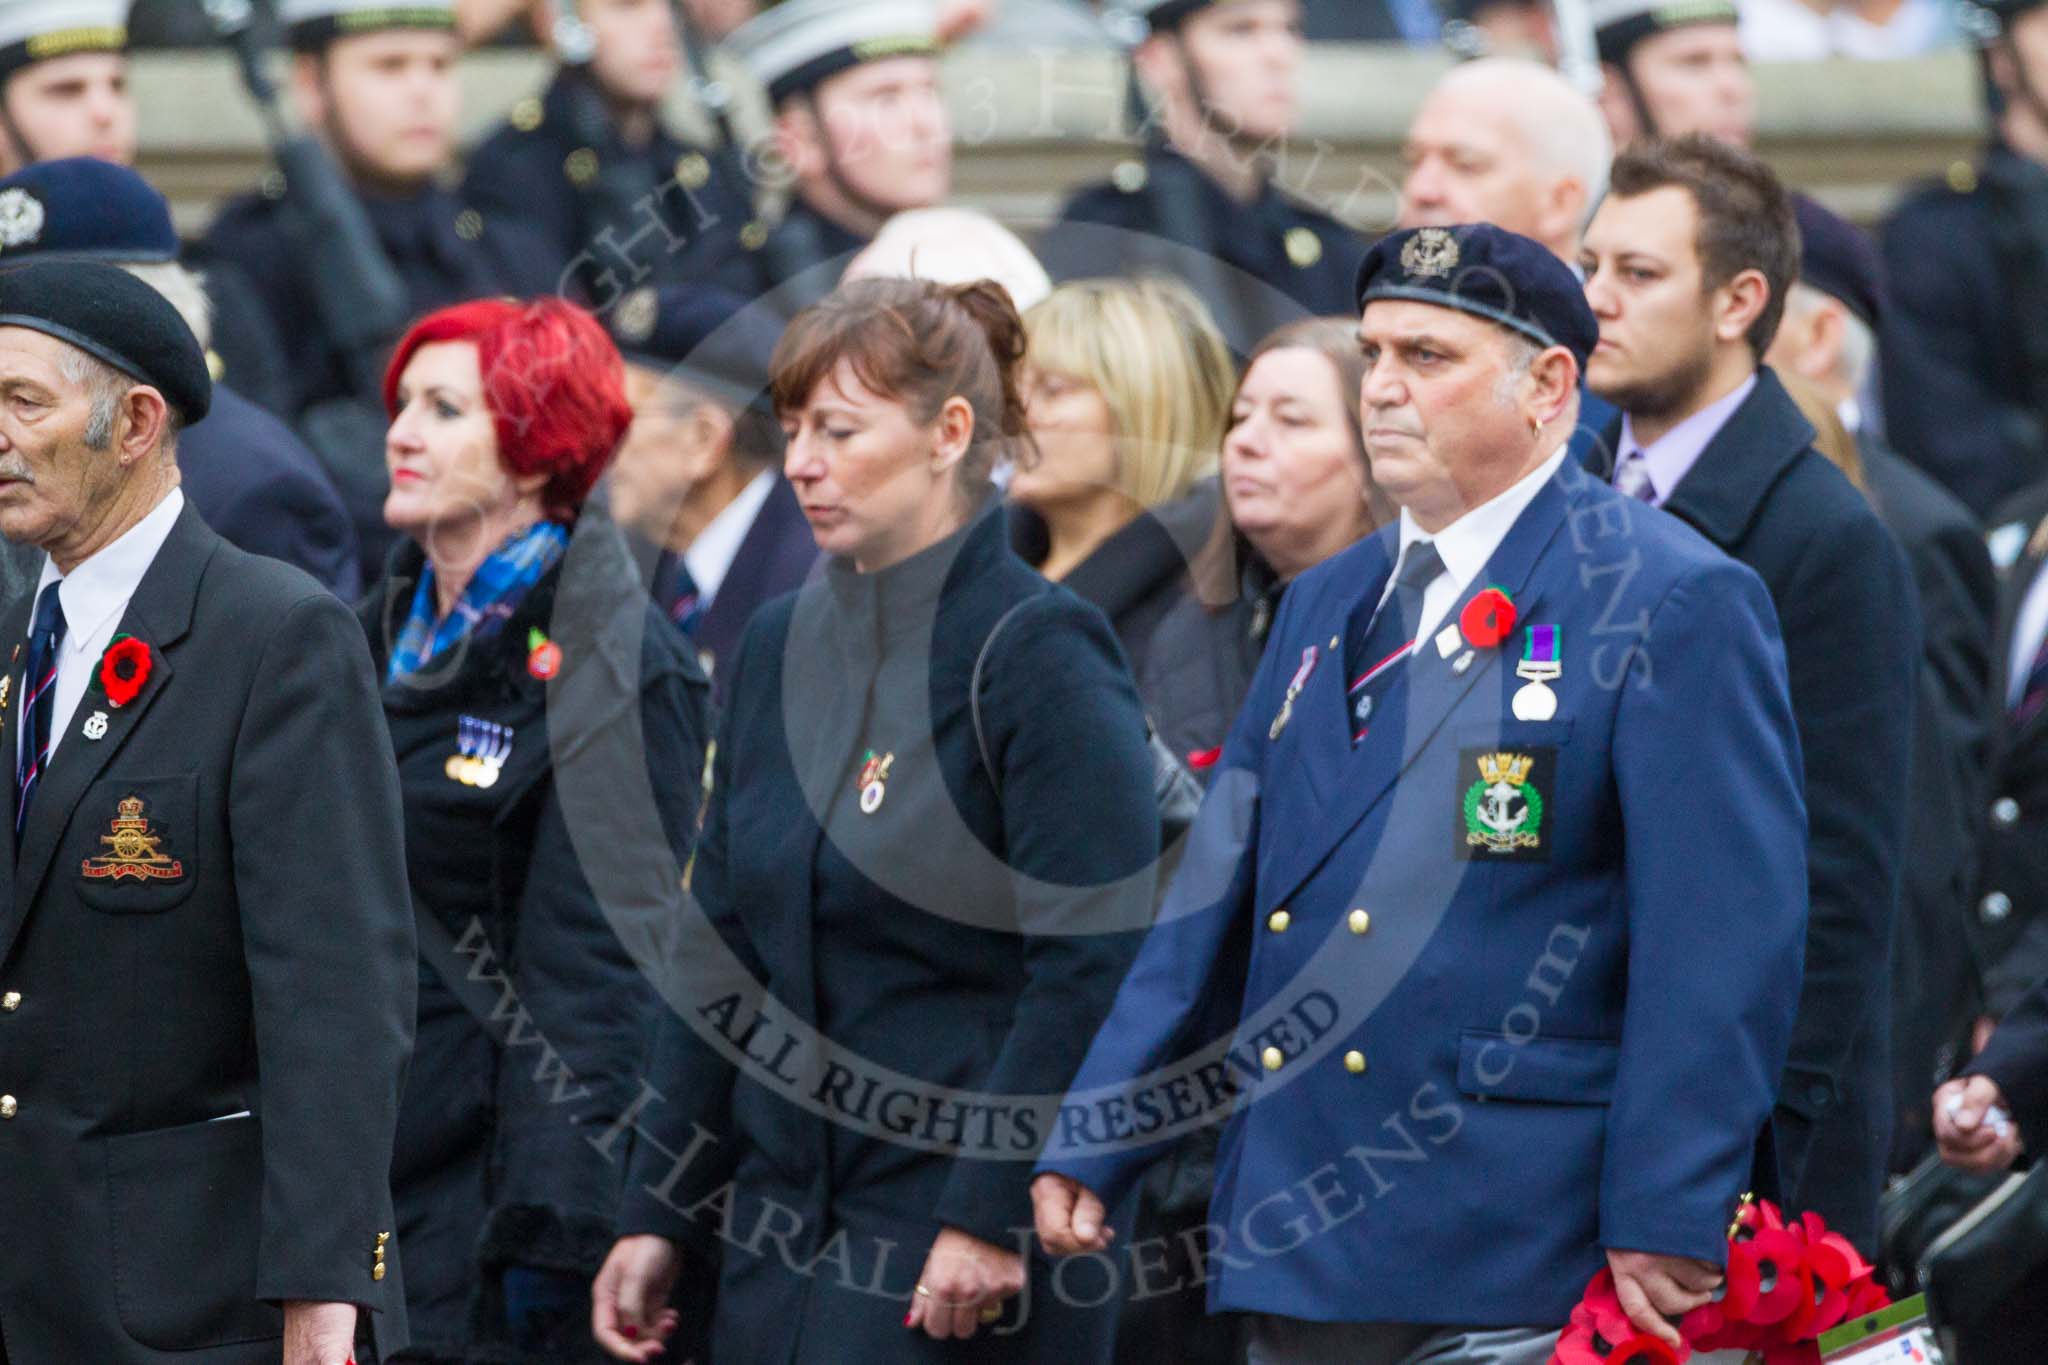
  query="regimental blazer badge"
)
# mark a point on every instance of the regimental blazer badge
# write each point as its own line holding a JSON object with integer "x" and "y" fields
{"x": 1501, "y": 815}
{"x": 134, "y": 850}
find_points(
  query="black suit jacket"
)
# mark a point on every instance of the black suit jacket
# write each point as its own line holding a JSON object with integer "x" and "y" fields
{"x": 2009, "y": 927}
{"x": 1933, "y": 983}
{"x": 206, "y": 916}
{"x": 1851, "y": 625}
{"x": 774, "y": 558}
{"x": 253, "y": 480}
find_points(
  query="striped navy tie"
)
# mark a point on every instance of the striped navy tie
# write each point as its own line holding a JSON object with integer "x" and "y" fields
{"x": 39, "y": 699}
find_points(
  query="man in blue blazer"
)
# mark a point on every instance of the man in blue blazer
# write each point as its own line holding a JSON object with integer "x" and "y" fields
{"x": 1501, "y": 882}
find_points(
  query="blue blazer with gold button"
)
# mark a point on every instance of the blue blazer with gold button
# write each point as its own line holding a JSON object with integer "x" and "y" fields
{"x": 1502, "y": 985}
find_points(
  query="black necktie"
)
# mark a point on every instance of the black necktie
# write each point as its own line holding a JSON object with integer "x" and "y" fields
{"x": 39, "y": 699}
{"x": 1373, "y": 646}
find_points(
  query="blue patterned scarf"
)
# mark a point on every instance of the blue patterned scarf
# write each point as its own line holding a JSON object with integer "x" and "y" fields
{"x": 494, "y": 591}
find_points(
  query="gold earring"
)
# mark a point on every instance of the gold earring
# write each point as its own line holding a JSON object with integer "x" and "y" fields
{"x": 1536, "y": 428}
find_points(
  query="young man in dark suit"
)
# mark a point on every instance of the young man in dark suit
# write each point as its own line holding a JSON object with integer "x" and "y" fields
{"x": 206, "y": 944}
{"x": 1687, "y": 265}
{"x": 1828, "y": 341}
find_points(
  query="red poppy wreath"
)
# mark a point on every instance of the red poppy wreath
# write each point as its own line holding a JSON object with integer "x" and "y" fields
{"x": 1788, "y": 1281}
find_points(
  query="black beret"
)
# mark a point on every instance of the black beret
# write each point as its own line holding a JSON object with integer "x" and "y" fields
{"x": 1839, "y": 259}
{"x": 82, "y": 207}
{"x": 703, "y": 336}
{"x": 108, "y": 313}
{"x": 1489, "y": 272}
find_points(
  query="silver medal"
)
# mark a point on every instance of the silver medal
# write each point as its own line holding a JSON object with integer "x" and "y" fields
{"x": 1535, "y": 701}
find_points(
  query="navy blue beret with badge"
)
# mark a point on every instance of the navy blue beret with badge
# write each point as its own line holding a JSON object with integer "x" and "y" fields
{"x": 705, "y": 337}
{"x": 1488, "y": 272}
{"x": 82, "y": 208}
{"x": 109, "y": 314}
{"x": 1839, "y": 259}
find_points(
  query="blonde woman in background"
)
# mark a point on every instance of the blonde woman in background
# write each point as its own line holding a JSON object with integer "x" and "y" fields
{"x": 1127, "y": 388}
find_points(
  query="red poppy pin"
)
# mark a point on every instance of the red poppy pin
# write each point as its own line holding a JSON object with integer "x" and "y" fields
{"x": 124, "y": 668}
{"x": 543, "y": 656}
{"x": 1487, "y": 619}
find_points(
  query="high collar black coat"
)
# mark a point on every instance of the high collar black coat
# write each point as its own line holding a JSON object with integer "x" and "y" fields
{"x": 904, "y": 958}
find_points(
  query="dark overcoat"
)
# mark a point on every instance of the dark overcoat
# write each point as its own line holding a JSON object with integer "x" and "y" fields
{"x": 1851, "y": 622}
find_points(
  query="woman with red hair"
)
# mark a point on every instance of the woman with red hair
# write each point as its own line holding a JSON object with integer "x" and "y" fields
{"x": 505, "y": 631}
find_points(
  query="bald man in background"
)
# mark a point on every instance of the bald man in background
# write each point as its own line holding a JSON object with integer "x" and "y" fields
{"x": 1508, "y": 141}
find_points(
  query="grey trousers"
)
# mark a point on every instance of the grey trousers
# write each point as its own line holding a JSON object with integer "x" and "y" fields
{"x": 1291, "y": 1341}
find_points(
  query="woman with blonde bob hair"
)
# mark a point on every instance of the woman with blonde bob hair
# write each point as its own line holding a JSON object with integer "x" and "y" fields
{"x": 1127, "y": 389}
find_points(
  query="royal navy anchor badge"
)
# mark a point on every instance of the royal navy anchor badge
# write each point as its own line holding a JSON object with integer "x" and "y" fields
{"x": 1503, "y": 810}
{"x": 874, "y": 781}
{"x": 483, "y": 746}
{"x": 95, "y": 726}
{"x": 1542, "y": 664}
{"x": 134, "y": 850}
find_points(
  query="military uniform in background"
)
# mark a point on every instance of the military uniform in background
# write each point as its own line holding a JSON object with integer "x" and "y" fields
{"x": 1301, "y": 261}
{"x": 792, "y": 49}
{"x": 1965, "y": 363}
{"x": 442, "y": 251}
{"x": 247, "y": 474}
{"x": 243, "y": 351}
{"x": 614, "y": 216}
{"x": 1257, "y": 264}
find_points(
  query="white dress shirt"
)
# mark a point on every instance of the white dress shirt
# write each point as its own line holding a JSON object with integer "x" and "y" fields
{"x": 94, "y": 596}
{"x": 1467, "y": 543}
{"x": 711, "y": 554}
{"x": 2029, "y": 628}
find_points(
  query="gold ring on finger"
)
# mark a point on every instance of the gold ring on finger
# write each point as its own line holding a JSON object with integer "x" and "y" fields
{"x": 991, "y": 1312}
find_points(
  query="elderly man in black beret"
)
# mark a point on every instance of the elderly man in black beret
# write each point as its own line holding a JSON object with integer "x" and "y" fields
{"x": 1501, "y": 876}
{"x": 206, "y": 949}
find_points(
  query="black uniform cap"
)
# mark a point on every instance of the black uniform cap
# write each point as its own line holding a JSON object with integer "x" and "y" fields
{"x": 1489, "y": 272}
{"x": 109, "y": 314}
{"x": 704, "y": 336}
